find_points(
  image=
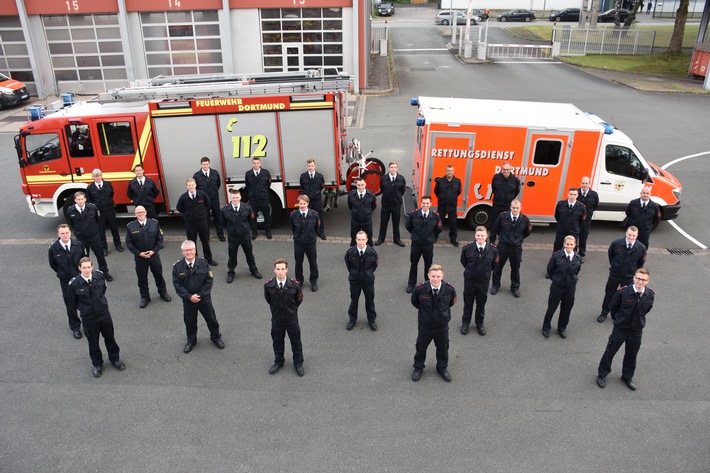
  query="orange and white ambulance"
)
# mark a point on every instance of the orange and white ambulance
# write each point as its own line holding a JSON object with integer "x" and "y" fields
{"x": 550, "y": 146}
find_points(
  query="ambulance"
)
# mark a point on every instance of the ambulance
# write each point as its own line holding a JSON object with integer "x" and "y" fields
{"x": 550, "y": 147}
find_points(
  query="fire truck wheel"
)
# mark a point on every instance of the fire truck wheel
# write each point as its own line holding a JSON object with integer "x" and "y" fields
{"x": 479, "y": 215}
{"x": 372, "y": 179}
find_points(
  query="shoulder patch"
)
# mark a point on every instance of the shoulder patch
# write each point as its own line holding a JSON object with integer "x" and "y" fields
{"x": 420, "y": 284}
{"x": 295, "y": 281}
{"x": 268, "y": 282}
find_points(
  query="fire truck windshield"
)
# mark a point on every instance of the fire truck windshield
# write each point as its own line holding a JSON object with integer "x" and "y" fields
{"x": 42, "y": 148}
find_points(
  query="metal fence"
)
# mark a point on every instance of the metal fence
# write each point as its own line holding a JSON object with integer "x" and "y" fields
{"x": 578, "y": 42}
{"x": 377, "y": 34}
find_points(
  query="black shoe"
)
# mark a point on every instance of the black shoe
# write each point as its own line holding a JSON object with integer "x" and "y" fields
{"x": 494, "y": 291}
{"x": 97, "y": 371}
{"x": 601, "y": 318}
{"x": 299, "y": 370}
{"x": 581, "y": 259}
{"x": 144, "y": 302}
{"x": 105, "y": 252}
{"x": 119, "y": 248}
{"x": 269, "y": 237}
{"x": 274, "y": 368}
{"x": 630, "y": 384}
{"x": 399, "y": 243}
{"x": 601, "y": 381}
{"x": 464, "y": 329}
{"x": 323, "y": 237}
{"x": 188, "y": 347}
{"x": 350, "y": 325}
{"x": 445, "y": 375}
{"x": 166, "y": 297}
{"x": 409, "y": 289}
{"x": 212, "y": 262}
{"x": 230, "y": 278}
{"x": 416, "y": 375}
{"x": 256, "y": 274}
{"x": 108, "y": 277}
{"x": 546, "y": 332}
{"x": 547, "y": 276}
{"x": 455, "y": 243}
{"x": 563, "y": 333}
{"x": 254, "y": 235}
{"x": 76, "y": 333}
{"x": 516, "y": 293}
{"x": 219, "y": 343}
{"x": 119, "y": 365}
{"x": 221, "y": 238}
{"x": 373, "y": 326}
{"x": 314, "y": 287}
{"x": 481, "y": 329}
{"x": 379, "y": 241}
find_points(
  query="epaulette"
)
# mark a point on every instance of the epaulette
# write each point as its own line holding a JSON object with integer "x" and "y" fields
{"x": 623, "y": 287}
{"x": 651, "y": 291}
{"x": 267, "y": 282}
{"x": 176, "y": 262}
{"x": 295, "y": 281}
{"x": 420, "y": 284}
{"x": 450, "y": 285}
{"x": 72, "y": 280}
{"x": 293, "y": 211}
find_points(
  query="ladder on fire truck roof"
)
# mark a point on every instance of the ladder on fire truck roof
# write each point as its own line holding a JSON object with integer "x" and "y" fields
{"x": 206, "y": 86}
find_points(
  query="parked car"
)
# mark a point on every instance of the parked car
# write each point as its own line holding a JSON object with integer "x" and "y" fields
{"x": 516, "y": 15}
{"x": 386, "y": 9}
{"x": 609, "y": 15}
{"x": 444, "y": 18}
{"x": 12, "y": 91}
{"x": 568, "y": 14}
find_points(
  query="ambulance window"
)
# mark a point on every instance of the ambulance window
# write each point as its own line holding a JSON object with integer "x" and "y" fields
{"x": 42, "y": 148}
{"x": 116, "y": 138}
{"x": 547, "y": 153}
{"x": 622, "y": 161}
{"x": 79, "y": 141}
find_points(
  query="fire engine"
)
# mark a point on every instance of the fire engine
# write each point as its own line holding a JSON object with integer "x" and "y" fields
{"x": 168, "y": 123}
{"x": 550, "y": 147}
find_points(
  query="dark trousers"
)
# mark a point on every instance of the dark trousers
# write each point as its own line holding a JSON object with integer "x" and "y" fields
{"x": 583, "y": 234}
{"x": 365, "y": 227}
{"x": 216, "y": 211}
{"x": 310, "y": 251}
{"x": 612, "y": 285}
{"x": 417, "y": 251}
{"x": 102, "y": 325}
{"x": 425, "y": 335}
{"x": 497, "y": 209}
{"x": 449, "y": 214}
{"x": 156, "y": 267}
{"x": 367, "y": 287}
{"x": 619, "y": 336}
{"x": 233, "y": 249}
{"x": 563, "y": 297}
{"x": 477, "y": 293}
{"x": 201, "y": 228}
{"x": 108, "y": 219}
{"x": 94, "y": 244}
{"x": 317, "y": 206}
{"x": 74, "y": 320}
{"x": 205, "y": 308}
{"x": 150, "y": 210}
{"x": 515, "y": 255}
{"x": 278, "y": 336}
{"x": 394, "y": 210}
{"x": 644, "y": 237}
{"x": 265, "y": 209}
{"x": 560, "y": 241}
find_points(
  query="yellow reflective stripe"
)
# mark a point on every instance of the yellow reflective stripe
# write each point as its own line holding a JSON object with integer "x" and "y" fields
{"x": 146, "y": 135}
{"x": 175, "y": 111}
{"x": 118, "y": 176}
{"x": 48, "y": 179}
{"x": 298, "y": 105}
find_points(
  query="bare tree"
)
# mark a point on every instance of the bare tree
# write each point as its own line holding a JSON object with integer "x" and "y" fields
{"x": 679, "y": 28}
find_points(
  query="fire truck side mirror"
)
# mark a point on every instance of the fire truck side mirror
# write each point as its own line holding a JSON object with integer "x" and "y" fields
{"x": 18, "y": 149}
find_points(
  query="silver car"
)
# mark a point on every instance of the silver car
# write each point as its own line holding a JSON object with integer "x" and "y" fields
{"x": 444, "y": 18}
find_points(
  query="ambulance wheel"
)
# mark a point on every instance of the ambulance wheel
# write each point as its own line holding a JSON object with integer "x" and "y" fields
{"x": 477, "y": 216}
{"x": 373, "y": 179}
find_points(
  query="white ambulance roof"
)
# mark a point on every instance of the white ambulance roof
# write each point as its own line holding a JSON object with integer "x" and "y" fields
{"x": 537, "y": 115}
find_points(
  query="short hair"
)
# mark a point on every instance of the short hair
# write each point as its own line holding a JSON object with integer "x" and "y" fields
{"x": 633, "y": 228}
{"x": 426, "y": 197}
{"x": 570, "y": 237}
{"x": 190, "y": 180}
{"x": 281, "y": 261}
{"x": 516, "y": 201}
{"x": 361, "y": 232}
{"x": 204, "y": 159}
{"x": 137, "y": 166}
{"x": 360, "y": 179}
{"x": 449, "y": 166}
{"x": 304, "y": 198}
{"x": 481, "y": 228}
{"x": 392, "y": 162}
{"x": 256, "y": 158}
{"x": 85, "y": 259}
{"x": 436, "y": 267}
{"x": 78, "y": 193}
{"x": 573, "y": 189}
{"x": 311, "y": 160}
{"x": 62, "y": 225}
{"x": 234, "y": 190}
{"x": 96, "y": 172}
{"x": 186, "y": 243}
{"x": 643, "y": 271}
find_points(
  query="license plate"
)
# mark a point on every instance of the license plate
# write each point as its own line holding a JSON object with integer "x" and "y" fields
{"x": 26, "y": 96}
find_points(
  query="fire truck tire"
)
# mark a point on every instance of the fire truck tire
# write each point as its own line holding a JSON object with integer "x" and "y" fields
{"x": 479, "y": 215}
{"x": 372, "y": 179}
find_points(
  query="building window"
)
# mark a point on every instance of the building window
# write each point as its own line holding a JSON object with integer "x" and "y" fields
{"x": 14, "y": 58}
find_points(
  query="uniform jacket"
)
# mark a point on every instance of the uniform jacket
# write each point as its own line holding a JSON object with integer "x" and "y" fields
{"x": 627, "y": 311}
{"x": 66, "y": 265}
{"x": 143, "y": 195}
{"x": 447, "y": 192}
{"x": 505, "y": 190}
{"x": 424, "y": 231}
{"x": 86, "y": 223}
{"x": 645, "y": 219}
{"x": 392, "y": 192}
{"x": 361, "y": 209}
{"x": 510, "y": 234}
{"x": 198, "y": 281}
{"x": 147, "y": 238}
{"x": 258, "y": 187}
{"x": 89, "y": 300}
{"x": 591, "y": 202}
{"x": 194, "y": 210}
{"x": 101, "y": 198}
{"x": 478, "y": 266}
{"x": 562, "y": 271}
{"x": 624, "y": 262}
{"x": 434, "y": 313}
{"x": 208, "y": 185}
{"x": 568, "y": 221}
{"x": 304, "y": 230}
{"x": 283, "y": 303}
{"x": 313, "y": 188}
{"x": 361, "y": 268}
{"x": 240, "y": 225}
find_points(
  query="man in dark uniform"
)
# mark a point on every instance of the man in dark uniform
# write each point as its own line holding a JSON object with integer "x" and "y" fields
{"x": 447, "y": 191}
{"x": 361, "y": 261}
{"x": 100, "y": 193}
{"x": 240, "y": 221}
{"x": 144, "y": 238}
{"x": 209, "y": 182}
{"x": 626, "y": 255}
{"x": 64, "y": 257}
{"x": 305, "y": 225}
{"x": 569, "y": 214}
{"x": 362, "y": 203}
{"x": 393, "y": 186}
{"x": 629, "y": 307}
{"x": 511, "y": 228}
{"x": 194, "y": 205}
{"x": 563, "y": 269}
{"x": 258, "y": 184}
{"x": 506, "y": 187}
{"x": 284, "y": 295}
{"x": 644, "y": 214}
{"x": 425, "y": 227}
{"x": 433, "y": 300}
{"x": 590, "y": 199}
{"x": 312, "y": 184}
{"x": 479, "y": 259}
{"x": 84, "y": 218}
{"x": 87, "y": 293}
{"x": 193, "y": 279}
{"x": 143, "y": 190}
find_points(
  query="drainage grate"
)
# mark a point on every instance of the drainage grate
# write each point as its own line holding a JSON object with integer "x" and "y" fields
{"x": 680, "y": 251}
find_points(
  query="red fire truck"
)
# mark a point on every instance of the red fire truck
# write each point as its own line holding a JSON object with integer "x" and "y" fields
{"x": 168, "y": 123}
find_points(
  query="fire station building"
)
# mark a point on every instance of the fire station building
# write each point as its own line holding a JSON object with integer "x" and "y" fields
{"x": 89, "y": 46}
